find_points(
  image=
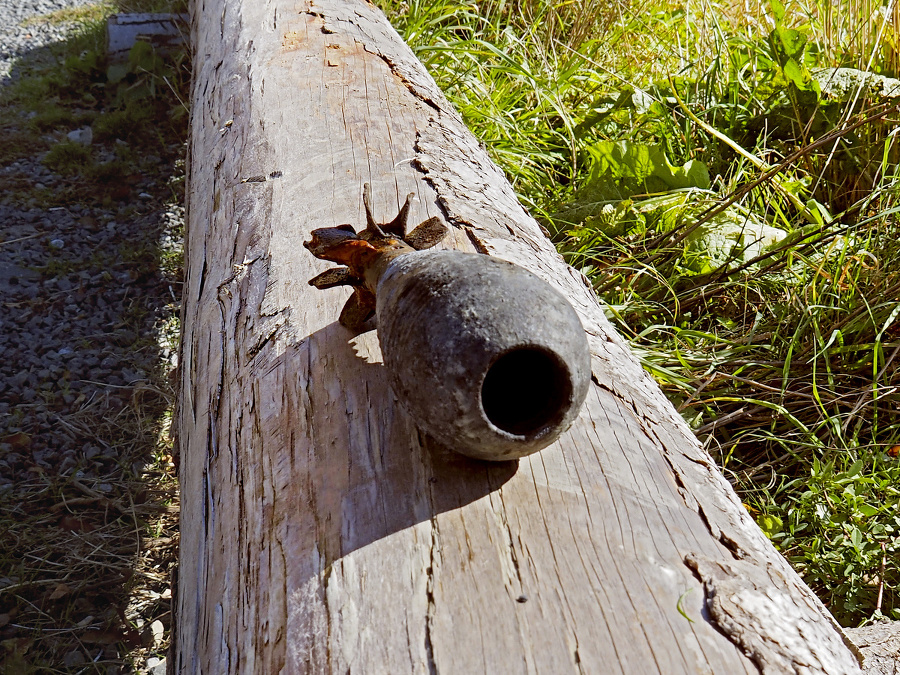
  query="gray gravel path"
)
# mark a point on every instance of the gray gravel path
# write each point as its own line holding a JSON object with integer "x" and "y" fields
{"x": 74, "y": 335}
{"x": 19, "y": 35}
{"x": 87, "y": 321}
{"x": 87, "y": 336}
{"x": 79, "y": 312}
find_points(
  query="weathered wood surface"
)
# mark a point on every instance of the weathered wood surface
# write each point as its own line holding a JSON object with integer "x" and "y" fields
{"x": 320, "y": 533}
{"x": 880, "y": 646}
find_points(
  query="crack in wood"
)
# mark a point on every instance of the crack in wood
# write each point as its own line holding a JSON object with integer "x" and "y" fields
{"x": 429, "y": 593}
{"x": 413, "y": 89}
{"x": 747, "y": 604}
{"x": 262, "y": 339}
{"x": 326, "y": 578}
{"x": 728, "y": 542}
{"x": 476, "y": 242}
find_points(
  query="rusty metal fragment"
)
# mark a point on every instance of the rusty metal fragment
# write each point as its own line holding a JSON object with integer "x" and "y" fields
{"x": 489, "y": 360}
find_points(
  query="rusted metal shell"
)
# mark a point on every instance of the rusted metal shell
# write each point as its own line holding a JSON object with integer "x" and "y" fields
{"x": 488, "y": 359}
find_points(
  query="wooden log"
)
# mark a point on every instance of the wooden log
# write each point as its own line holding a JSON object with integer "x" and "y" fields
{"x": 320, "y": 531}
{"x": 880, "y": 647}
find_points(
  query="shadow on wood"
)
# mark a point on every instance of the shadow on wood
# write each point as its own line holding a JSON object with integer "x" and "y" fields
{"x": 387, "y": 488}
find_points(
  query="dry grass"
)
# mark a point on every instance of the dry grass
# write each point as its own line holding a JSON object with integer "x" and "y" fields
{"x": 87, "y": 562}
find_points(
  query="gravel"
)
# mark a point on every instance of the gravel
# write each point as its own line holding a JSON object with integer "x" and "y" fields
{"x": 79, "y": 325}
{"x": 88, "y": 331}
{"x": 83, "y": 304}
{"x": 24, "y": 28}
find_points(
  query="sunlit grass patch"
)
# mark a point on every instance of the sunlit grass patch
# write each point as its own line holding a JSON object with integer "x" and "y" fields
{"x": 734, "y": 200}
{"x": 90, "y": 13}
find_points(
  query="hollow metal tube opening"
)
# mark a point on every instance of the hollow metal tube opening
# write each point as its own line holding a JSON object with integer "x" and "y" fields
{"x": 526, "y": 390}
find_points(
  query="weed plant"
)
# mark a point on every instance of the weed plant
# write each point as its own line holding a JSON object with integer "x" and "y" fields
{"x": 727, "y": 178}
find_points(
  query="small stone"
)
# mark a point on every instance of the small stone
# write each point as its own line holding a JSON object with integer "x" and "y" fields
{"x": 157, "y": 630}
{"x": 57, "y": 243}
{"x": 83, "y": 136}
{"x": 155, "y": 666}
{"x": 73, "y": 658}
{"x": 145, "y": 195}
{"x": 89, "y": 223}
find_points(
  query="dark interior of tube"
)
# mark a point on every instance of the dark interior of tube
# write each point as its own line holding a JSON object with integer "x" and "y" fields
{"x": 525, "y": 390}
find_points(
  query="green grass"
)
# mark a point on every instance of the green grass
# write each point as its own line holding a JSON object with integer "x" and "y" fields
{"x": 737, "y": 214}
{"x": 67, "y": 158}
{"x": 85, "y": 14}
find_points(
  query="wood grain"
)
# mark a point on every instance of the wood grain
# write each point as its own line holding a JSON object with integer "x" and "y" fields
{"x": 320, "y": 532}
{"x": 880, "y": 645}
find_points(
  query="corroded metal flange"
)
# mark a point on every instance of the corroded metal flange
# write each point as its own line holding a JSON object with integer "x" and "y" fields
{"x": 367, "y": 253}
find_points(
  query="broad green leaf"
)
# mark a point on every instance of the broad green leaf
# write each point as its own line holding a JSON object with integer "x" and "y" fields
{"x": 794, "y": 73}
{"x": 867, "y": 510}
{"x": 777, "y": 11}
{"x": 793, "y": 42}
{"x": 770, "y": 525}
{"x": 623, "y": 169}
